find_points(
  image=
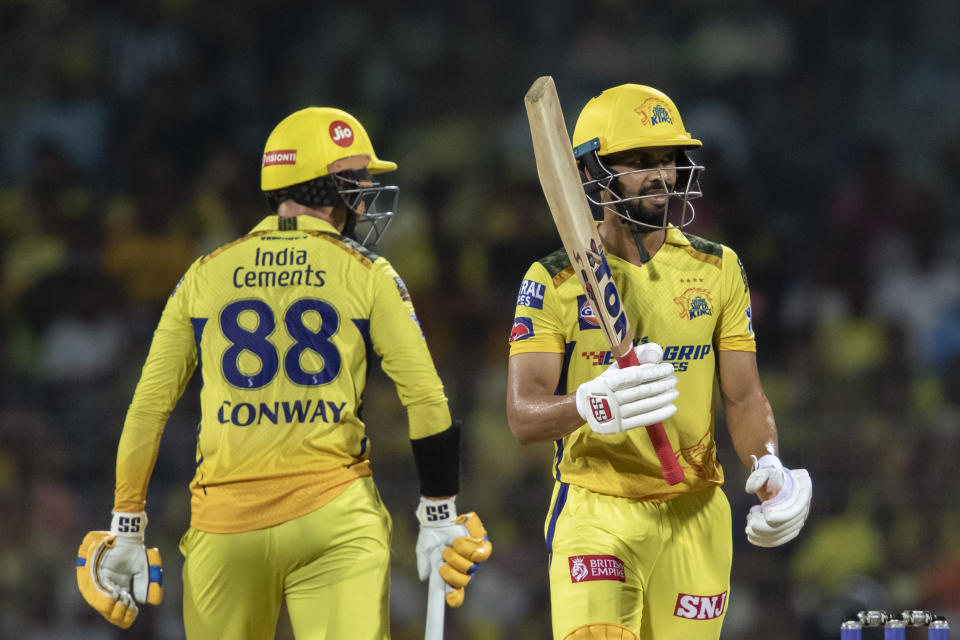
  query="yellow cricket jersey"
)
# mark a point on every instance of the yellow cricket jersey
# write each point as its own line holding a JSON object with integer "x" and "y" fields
{"x": 692, "y": 298}
{"x": 283, "y": 323}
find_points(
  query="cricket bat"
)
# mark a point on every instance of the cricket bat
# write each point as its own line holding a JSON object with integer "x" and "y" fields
{"x": 561, "y": 185}
{"x": 436, "y": 606}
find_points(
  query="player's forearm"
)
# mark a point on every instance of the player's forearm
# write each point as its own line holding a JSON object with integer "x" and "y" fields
{"x": 543, "y": 419}
{"x": 752, "y": 428}
{"x": 136, "y": 456}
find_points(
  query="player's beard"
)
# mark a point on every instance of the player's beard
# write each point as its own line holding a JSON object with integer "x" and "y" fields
{"x": 646, "y": 213}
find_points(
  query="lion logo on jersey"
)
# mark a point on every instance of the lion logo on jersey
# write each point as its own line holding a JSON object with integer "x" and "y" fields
{"x": 578, "y": 570}
{"x": 694, "y": 303}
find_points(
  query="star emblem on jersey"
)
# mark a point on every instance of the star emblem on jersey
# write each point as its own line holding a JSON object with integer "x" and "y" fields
{"x": 600, "y": 408}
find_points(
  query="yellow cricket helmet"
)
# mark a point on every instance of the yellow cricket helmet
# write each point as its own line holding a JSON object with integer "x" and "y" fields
{"x": 630, "y": 116}
{"x": 323, "y": 157}
{"x": 315, "y": 142}
{"x": 634, "y": 116}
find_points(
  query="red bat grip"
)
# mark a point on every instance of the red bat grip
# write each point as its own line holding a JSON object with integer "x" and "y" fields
{"x": 672, "y": 471}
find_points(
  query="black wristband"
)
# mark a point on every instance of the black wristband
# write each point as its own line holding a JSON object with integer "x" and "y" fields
{"x": 438, "y": 462}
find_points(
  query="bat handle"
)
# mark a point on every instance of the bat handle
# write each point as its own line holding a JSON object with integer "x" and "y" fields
{"x": 436, "y": 605}
{"x": 672, "y": 471}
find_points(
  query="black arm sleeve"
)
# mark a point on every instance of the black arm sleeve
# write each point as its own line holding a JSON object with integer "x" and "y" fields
{"x": 438, "y": 462}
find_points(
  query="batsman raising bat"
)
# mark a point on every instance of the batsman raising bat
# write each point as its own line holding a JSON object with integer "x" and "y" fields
{"x": 631, "y": 554}
{"x": 283, "y": 324}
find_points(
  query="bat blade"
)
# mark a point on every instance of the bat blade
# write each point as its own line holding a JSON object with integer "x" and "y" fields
{"x": 568, "y": 205}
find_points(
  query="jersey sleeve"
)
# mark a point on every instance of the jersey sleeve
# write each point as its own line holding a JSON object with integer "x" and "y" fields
{"x": 537, "y": 320}
{"x": 398, "y": 339}
{"x": 170, "y": 363}
{"x": 734, "y": 331}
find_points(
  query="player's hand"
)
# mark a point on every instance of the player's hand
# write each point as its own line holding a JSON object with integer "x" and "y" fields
{"x": 115, "y": 570}
{"x": 786, "y": 496}
{"x": 621, "y": 399}
{"x": 453, "y": 545}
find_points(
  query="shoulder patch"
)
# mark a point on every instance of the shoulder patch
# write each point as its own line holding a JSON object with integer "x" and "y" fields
{"x": 219, "y": 250}
{"x": 705, "y": 246}
{"x": 360, "y": 252}
{"x": 555, "y": 262}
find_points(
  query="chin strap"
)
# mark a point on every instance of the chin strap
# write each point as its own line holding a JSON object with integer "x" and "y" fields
{"x": 644, "y": 255}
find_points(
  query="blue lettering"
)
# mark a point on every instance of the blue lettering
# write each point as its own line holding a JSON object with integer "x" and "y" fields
{"x": 245, "y": 414}
{"x": 336, "y": 410}
{"x": 611, "y": 299}
{"x": 235, "y": 414}
{"x": 319, "y": 411}
{"x": 297, "y": 409}
{"x": 660, "y": 114}
{"x": 686, "y": 352}
{"x": 266, "y": 413}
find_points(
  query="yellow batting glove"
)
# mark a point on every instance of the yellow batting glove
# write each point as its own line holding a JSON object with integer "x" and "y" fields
{"x": 115, "y": 570}
{"x": 463, "y": 556}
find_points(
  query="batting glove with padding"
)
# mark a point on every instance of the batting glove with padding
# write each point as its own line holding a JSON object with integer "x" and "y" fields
{"x": 450, "y": 544}
{"x": 109, "y": 562}
{"x": 621, "y": 399}
{"x": 778, "y": 519}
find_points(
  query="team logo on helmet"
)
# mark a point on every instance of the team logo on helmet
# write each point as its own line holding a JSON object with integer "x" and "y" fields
{"x": 341, "y": 133}
{"x": 653, "y": 111}
{"x": 281, "y": 156}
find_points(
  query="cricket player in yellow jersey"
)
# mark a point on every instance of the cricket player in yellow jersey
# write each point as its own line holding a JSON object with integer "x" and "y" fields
{"x": 282, "y": 324}
{"x": 630, "y": 555}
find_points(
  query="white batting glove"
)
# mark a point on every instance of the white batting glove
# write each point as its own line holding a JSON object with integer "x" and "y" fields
{"x": 115, "y": 570}
{"x": 778, "y": 519}
{"x": 453, "y": 545}
{"x": 621, "y": 399}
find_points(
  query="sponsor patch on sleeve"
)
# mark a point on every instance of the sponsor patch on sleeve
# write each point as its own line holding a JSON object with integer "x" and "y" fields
{"x": 522, "y": 329}
{"x": 589, "y": 568}
{"x": 402, "y": 288}
{"x": 743, "y": 274}
{"x": 531, "y": 294}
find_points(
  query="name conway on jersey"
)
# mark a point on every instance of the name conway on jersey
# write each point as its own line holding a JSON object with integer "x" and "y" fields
{"x": 692, "y": 298}
{"x": 281, "y": 323}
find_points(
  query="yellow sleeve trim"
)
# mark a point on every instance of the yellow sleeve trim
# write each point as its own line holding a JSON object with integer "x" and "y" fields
{"x": 563, "y": 276}
{"x": 220, "y": 250}
{"x": 533, "y": 345}
{"x": 703, "y": 257}
{"x": 362, "y": 259}
{"x": 737, "y": 343}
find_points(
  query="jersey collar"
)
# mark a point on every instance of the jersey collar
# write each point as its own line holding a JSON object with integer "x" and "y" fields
{"x": 272, "y": 223}
{"x": 675, "y": 236}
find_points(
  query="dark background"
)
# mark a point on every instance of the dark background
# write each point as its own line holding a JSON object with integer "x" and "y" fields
{"x": 130, "y": 142}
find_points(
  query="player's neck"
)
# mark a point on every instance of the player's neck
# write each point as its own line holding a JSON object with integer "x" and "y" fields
{"x": 619, "y": 240}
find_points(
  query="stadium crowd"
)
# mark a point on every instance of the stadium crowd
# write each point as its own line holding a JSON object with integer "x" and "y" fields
{"x": 130, "y": 141}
